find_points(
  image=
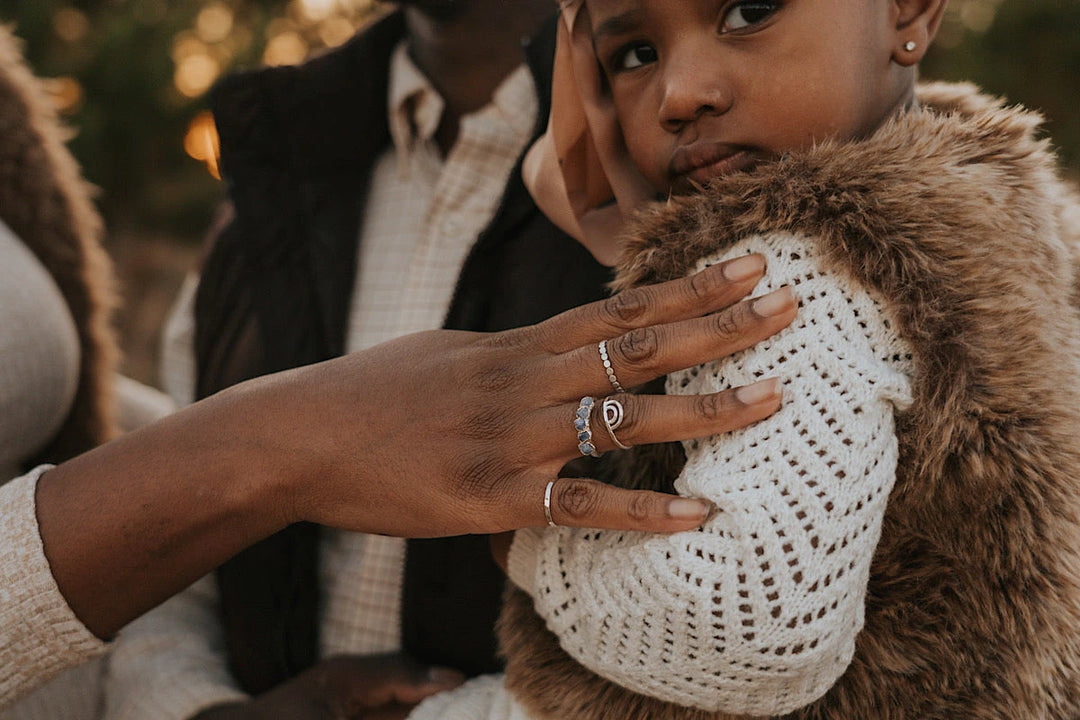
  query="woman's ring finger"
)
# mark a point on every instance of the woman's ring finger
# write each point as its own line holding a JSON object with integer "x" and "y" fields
{"x": 643, "y": 419}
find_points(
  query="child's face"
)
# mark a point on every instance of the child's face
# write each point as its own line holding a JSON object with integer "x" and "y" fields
{"x": 706, "y": 87}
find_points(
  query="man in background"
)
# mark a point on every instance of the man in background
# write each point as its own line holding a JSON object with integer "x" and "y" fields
{"x": 375, "y": 191}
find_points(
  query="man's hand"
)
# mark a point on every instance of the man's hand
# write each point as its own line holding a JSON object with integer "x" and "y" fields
{"x": 346, "y": 687}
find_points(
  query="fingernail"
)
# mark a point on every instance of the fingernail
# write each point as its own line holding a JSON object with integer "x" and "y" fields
{"x": 445, "y": 676}
{"x": 744, "y": 268}
{"x": 776, "y": 302}
{"x": 759, "y": 392}
{"x": 686, "y": 509}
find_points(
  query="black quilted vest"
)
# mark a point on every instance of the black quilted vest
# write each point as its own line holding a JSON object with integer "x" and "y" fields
{"x": 298, "y": 144}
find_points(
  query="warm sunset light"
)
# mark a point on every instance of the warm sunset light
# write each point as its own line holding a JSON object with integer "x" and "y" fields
{"x": 214, "y": 22}
{"x": 195, "y": 74}
{"x": 201, "y": 142}
{"x": 70, "y": 25}
{"x": 317, "y": 9}
{"x": 287, "y": 48}
{"x": 66, "y": 94}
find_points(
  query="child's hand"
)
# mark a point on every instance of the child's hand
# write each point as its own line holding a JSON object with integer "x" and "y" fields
{"x": 580, "y": 172}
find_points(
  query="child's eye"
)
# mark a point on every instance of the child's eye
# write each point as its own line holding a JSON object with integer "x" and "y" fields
{"x": 747, "y": 13}
{"x": 634, "y": 56}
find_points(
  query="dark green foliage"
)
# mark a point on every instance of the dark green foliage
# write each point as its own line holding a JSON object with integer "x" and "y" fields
{"x": 1029, "y": 54}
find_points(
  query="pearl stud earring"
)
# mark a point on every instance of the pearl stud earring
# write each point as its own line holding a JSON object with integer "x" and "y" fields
{"x": 910, "y": 45}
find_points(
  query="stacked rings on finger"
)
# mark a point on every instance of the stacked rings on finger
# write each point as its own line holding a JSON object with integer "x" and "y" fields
{"x": 581, "y": 425}
{"x": 613, "y": 415}
{"x": 608, "y": 369}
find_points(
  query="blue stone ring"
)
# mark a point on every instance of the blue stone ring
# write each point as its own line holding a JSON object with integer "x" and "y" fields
{"x": 581, "y": 426}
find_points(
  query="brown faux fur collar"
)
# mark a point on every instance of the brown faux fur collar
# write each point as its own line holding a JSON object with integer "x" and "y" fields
{"x": 955, "y": 214}
{"x": 45, "y": 202}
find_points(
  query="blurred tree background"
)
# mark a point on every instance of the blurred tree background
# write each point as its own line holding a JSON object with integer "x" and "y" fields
{"x": 129, "y": 76}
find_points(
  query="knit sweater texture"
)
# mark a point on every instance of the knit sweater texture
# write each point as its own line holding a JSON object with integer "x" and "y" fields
{"x": 39, "y": 634}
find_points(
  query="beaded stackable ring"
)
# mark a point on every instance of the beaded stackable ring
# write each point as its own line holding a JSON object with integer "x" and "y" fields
{"x": 581, "y": 426}
{"x": 607, "y": 367}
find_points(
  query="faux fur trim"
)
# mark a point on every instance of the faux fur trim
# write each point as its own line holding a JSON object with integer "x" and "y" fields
{"x": 46, "y": 203}
{"x": 955, "y": 214}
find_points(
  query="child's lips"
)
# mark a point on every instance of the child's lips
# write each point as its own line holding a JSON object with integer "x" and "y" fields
{"x": 694, "y": 165}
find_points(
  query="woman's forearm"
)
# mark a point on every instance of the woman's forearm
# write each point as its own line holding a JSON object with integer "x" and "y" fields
{"x": 126, "y": 526}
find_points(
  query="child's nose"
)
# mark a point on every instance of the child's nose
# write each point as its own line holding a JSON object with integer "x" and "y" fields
{"x": 692, "y": 89}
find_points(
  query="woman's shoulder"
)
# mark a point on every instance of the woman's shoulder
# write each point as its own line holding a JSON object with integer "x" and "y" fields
{"x": 40, "y": 347}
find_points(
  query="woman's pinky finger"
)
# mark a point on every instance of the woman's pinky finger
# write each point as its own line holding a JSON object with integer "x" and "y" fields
{"x": 578, "y": 502}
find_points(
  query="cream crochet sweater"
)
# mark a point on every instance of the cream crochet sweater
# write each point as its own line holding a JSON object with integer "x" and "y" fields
{"x": 756, "y": 613}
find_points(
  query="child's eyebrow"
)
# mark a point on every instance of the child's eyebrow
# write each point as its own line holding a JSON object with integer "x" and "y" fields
{"x": 622, "y": 24}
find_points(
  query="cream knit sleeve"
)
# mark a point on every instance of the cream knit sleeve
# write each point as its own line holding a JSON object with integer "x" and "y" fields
{"x": 39, "y": 633}
{"x": 756, "y": 613}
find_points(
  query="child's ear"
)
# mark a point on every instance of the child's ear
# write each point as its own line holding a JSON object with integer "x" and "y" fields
{"x": 917, "y": 22}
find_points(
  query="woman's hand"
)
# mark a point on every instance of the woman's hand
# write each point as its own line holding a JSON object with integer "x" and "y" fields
{"x": 441, "y": 433}
{"x": 345, "y": 687}
{"x": 446, "y": 433}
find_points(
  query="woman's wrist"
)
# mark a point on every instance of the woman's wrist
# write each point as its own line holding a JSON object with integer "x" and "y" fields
{"x": 261, "y": 462}
{"x": 287, "y": 461}
{"x": 170, "y": 502}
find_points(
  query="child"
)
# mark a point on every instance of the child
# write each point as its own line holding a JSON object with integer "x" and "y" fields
{"x": 901, "y": 540}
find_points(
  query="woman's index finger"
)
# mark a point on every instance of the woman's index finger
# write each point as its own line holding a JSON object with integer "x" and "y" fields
{"x": 704, "y": 292}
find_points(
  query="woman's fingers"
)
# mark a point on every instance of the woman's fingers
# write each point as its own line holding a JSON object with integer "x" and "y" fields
{"x": 705, "y": 292}
{"x": 640, "y": 355}
{"x": 642, "y": 419}
{"x": 647, "y": 419}
{"x": 578, "y": 502}
{"x": 627, "y": 420}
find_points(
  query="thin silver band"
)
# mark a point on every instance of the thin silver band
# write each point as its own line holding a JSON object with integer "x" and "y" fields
{"x": 547, "y": 504}
{"x": 613, "y": 415}
{"x": 607, "y": 367}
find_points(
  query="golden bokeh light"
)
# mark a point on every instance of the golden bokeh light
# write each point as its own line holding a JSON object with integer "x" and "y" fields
{"x": 335, "y": 31}
{"x": 286, "y": 48}
{"x": 66, "y": 94}
{"x": 316, "y": 9}
{"x": 70, "y": 25}
{"x": 214, "y": 22}
{"x": 195, "y": 74}
{"x": 186, "y": 45}
{"x": 978, "y": 15}
{"x": 201, "y": 142}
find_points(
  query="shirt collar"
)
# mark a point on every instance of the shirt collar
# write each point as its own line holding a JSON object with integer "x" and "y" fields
{"x": 416, "y": 108}
{"x": 515, "y": 101}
